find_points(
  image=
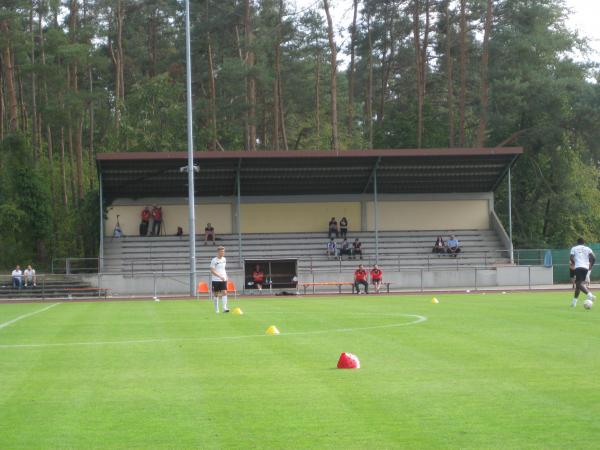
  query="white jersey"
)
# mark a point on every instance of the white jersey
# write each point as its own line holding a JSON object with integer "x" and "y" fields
{"x": 29, "y": 274}
{"x": 218, "y": 264}
{"x": 581, "y": 255}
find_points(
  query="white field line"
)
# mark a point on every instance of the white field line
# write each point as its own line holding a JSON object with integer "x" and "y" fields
{"x": 24, "y": 316}
{"x": 418, "y": 319}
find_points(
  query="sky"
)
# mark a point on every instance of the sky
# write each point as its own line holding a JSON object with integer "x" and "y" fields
{"x": 584, "y": 17}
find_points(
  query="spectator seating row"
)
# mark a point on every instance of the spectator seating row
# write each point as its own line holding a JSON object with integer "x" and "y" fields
{"x": 397, "y": 249}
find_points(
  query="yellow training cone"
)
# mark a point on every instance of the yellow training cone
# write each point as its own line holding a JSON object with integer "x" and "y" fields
{"x": 237, "y": 311}
{"x": 272, "y": 330}
{"x": 434, "y": 300}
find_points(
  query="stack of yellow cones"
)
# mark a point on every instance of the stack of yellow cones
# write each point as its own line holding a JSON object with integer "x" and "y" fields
{"x": 237, "y": 311}
{"x": 434, "y": 300}
{"x": 272, "y": 330}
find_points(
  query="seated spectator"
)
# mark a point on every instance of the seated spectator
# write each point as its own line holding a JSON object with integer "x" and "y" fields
{"x": 439, "y": 246}
{"x": 258, "y": 277}
{"x": 29, "y": 276}
{"x": 376, "y": 278}
{"x": 346, "y": 248}
{"x": 179, "y": 232}
{"x": 209, "y": 234}
{"x": 17, "y": 277}
{"x": 360, "y": 277}
{"x": 117, "y": 232}
{"x": 453, "y": 246}
{"x": 331, "y": 248}
{"x": 343, "y": 227}
{"x": 145, "y": 221}
{"x": 357, "y": 248}
{"x": 333, "y": 228}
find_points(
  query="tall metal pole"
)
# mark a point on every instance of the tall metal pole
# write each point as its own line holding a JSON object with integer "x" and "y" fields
{"x": 190, "y": 140}
{"x": 101, "y": 249}
{"x": 376, "y": 215}
{"x": 510, "y": 235}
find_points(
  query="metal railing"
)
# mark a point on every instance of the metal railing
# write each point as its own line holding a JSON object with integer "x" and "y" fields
{"x": 397, "y": 261}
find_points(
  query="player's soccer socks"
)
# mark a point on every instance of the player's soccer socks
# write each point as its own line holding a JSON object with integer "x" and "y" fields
{"x": 224, "y": 303}
{"x": 591, "y": 297}
{"x": 216, "y": 303}
{"x": 574, "y": 303}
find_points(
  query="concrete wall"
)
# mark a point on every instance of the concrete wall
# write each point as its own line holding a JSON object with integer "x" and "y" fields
{"x": 304, "y": 216}
{"x": 421, "y": 214}
{"x": 279, "y": 214}
{"x": 178, "y": 283}
{"x": 174, "y": 215}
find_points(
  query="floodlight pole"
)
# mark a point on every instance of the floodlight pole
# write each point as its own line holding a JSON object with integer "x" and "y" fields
{"x": 510, "y": 234}
{"x": 190, "y": 141}
{"x": 238, "y": 208}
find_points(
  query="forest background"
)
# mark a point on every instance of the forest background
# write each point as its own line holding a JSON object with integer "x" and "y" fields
{"x": 78, "y": 77}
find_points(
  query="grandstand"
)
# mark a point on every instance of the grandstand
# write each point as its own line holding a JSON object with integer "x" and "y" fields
{"x": 276, "y": 205}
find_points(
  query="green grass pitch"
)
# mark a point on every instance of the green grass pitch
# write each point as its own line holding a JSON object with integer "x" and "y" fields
{"x": 519, "y": 370}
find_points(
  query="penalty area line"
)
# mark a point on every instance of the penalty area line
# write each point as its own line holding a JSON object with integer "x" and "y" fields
{"x": 418, "y": 319}
{"x": 24, "y": 316}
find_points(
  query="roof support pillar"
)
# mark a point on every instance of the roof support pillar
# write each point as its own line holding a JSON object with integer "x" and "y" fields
{"x": 376, "y": 213}
{"x": 510, "y": 235}
{"x": 238, "y": 209}
{"x": 101, "y": 249}
{"x": 190, "y": 153}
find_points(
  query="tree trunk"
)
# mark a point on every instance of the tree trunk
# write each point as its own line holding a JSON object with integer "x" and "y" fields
{"x": 417, "y": 44}
{"x": 212, "y": 143}
{"x": 462, "y": 72}
{"x": 63, "y": 171}
{"x": 34, "y": 110}
{"x": 484, "y": 76}
{"x": 276, "y": 103}
{"x": 250, "y": 77}
{"x": 317, "y": 100}
{"x": 333, "y": 50}
{"x": 1, "y": 101}
{"x": 369, "y": 102}
{"x": 91, "y": 132}
{"x": 241, "y": 55}
{"x": 351, "y": 70}
{"x": 77, "y": 151}
{"x": 9, "y": 77}
{"x": 449, "y": 77}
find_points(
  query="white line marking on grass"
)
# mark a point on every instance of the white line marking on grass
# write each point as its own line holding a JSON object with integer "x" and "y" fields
{"x": 418, "y": 319}
{"x": 24, "y": 316}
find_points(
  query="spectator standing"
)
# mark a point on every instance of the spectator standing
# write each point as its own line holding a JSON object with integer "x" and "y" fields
{"x": 333, "y": 228}
{"x": 209, "y": 233}
{"x": 29, "y": 276}
{"x": 439, "y": 246}
{"x": 360, "y": 277}
{"x": 357, "y": 248}
{"x": 453, "y": 246}
{"x": 157, "y": 220}
{"x": 17, "y": 277}
{"x": 376, "y": 278}
{"x": 258, "y": 277}
{"x": 145, "y": 221}
{"x": 343, "y": 227}
{"x": 331, "y": 248}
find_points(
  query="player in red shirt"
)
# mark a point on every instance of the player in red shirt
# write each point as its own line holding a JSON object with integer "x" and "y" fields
{"x": 360, "y": 277}
{"x": 258, "y": 276}
{"x": 376, "y": 275}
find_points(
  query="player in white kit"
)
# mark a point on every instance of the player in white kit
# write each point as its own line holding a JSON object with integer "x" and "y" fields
{"x": 582, "y": 258}
{"x": 219, "y": 279}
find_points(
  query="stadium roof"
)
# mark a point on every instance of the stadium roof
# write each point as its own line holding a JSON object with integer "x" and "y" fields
{"x": 437, "y": 170}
